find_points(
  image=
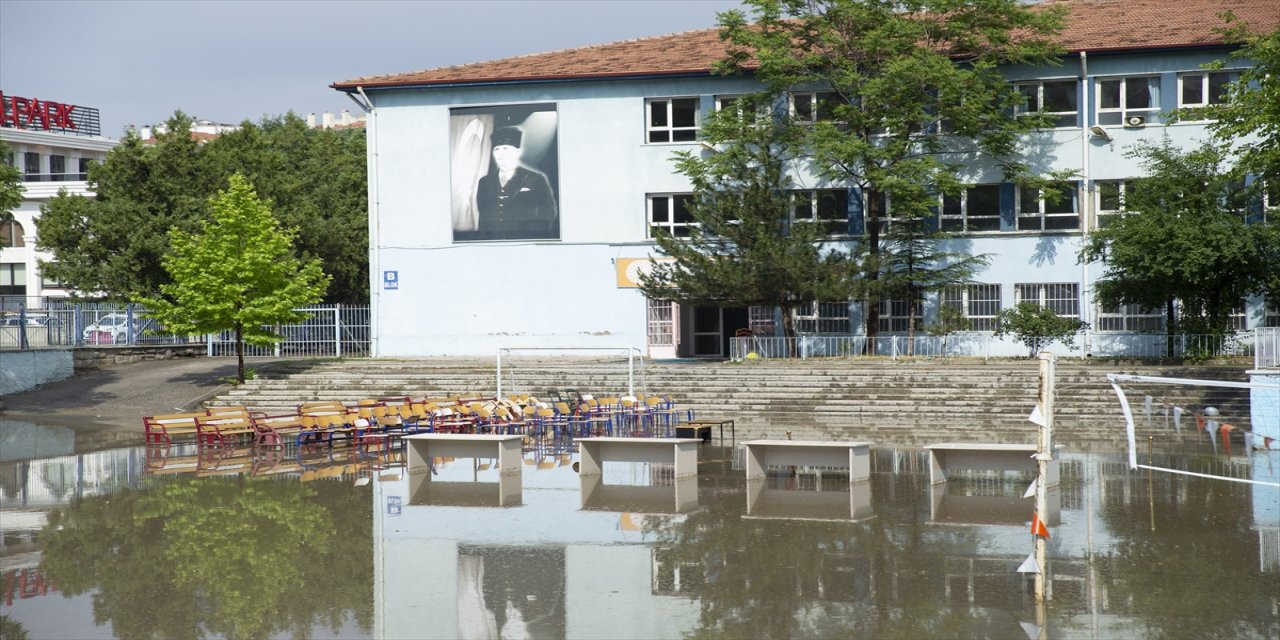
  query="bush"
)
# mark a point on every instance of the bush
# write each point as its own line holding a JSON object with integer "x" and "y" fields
{"x": 1038, "y": 327}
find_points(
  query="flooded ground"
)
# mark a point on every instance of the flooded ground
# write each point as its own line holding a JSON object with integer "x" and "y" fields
{"x": 131, "y": 542}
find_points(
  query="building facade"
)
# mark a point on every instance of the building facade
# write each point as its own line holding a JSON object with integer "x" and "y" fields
{"x": 550, "y": 259}
{"x": 52, "y": 145}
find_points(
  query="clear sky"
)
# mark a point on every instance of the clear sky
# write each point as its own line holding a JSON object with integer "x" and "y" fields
{"x": 230, "y": 60}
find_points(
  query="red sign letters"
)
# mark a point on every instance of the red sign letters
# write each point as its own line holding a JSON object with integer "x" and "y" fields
{"x": 23, "y": 112}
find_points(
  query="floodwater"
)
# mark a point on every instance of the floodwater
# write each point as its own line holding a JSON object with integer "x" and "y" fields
{"x": 132, "y": 542}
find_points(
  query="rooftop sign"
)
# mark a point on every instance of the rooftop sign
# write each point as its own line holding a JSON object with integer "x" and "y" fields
{"x": 46, "y": 115}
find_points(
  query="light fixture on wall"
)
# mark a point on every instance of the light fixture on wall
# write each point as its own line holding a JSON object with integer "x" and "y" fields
{"x": 1100, "y": 132}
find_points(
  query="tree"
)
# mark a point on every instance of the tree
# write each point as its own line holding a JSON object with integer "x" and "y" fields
{"x": 914, "y": 266}
{"x": 1186, "y": 235}
{"x": 742, "y": 248}
{"x": 10, "y": 184}
{"x": 1038, "y": 327}
{"x": 950, "y": 320}
{"x": 111, "y": 244}
{"x": 905, "y": 93}
{"x": 238, "y": 272}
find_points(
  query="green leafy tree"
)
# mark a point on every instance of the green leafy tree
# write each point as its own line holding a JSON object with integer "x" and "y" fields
{"x": 742, "y": 248}
{"x": 950, "y": 320}
{"x": 1249, "y": 118}
{"x": 1038, "y": 327}
{"x": 10, "y": 184}
{"x": 906, "y": 94}
{"x": 111, "y": 244}
{"x": 1186, "y": 235}
{"x": 914, "y": 264}
{"x": 238, "y": 272}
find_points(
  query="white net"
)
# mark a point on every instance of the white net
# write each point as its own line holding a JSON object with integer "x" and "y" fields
{"x": 1221, "y": 429}
{"x": 545, "y": 371}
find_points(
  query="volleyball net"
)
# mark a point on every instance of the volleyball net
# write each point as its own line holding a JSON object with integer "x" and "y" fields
{"x": 1233, "y": 428}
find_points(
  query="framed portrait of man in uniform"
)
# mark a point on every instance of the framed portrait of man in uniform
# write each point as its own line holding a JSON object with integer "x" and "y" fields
{"x": 504, "y": 178}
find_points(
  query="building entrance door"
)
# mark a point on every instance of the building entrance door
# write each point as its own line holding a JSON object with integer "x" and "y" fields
{"x": 708, "y": 332}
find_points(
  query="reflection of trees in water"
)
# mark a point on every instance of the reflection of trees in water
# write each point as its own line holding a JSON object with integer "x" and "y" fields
{"x": 234, "y": 556}
{"x": 59, "y": 478}
{"x": 523, "y": 588}
{"x": 796, "y": 578}
{"x": 1196, "y": 575}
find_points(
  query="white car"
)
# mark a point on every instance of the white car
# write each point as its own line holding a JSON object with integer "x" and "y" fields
{"x": 110, "y": 329}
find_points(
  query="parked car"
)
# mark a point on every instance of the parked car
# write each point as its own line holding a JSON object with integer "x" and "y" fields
{"x": 33, "y": 320}
{"x": 113, "y": 328}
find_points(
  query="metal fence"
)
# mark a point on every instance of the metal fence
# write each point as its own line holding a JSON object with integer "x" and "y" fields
{"x": 976, "y": 344}
{"x": 1266, "y": 353}
{"x": 327, "y": 330}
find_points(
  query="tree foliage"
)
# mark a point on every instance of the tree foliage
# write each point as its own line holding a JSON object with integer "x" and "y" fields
{"x": 909, "y": 92}
{"x": 1188, "y": 235}
{"x": 238, "y": 272}
{"x": 1038, "y": 327}
{"x": 10, "y": 184}
{"x": 914, "y": 264}
{"x": 742, "y": 249}
{"x": 111, "y": 244}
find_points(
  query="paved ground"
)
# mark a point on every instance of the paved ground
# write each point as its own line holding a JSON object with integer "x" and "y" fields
{"x": 115, "y": 398}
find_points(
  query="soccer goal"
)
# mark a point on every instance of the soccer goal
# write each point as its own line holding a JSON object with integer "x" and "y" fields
{"x": 517, "y": 367}
{"x": 1207, "y": 414}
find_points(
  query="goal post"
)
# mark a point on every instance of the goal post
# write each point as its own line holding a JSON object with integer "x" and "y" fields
{"x": 1170, "y": 400}
{"x": 505, "y": 363}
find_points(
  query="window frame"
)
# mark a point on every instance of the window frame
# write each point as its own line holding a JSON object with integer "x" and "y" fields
{"x": 975, "y": 301}
{"x": 1020, "y": 110}
{"x": 816, "y": 111}
{"x": 12, "y": 234}
{"x": 821, "y": 318}
{"x": 1123, "y": 111}
{"x": 671, "y": 225}
{"x": 661, "y": 323}
{"x": 895, "y": 313}
{"x": 1128, "y": 318}
{"x": 946, "y": 222}
{"x": 1042, "y": 214}
{"x": 1103, "y": 215}
{"x": 1043, "y": 299}
{"x": 833, "y": 226}
{"x": 671, "y": 129}
{"x": 1205, "y": 77}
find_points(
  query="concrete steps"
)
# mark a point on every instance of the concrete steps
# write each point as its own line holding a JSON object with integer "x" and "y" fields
{"x": 902, "y": 402}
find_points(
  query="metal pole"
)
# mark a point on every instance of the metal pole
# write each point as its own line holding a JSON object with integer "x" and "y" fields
{"x": 499, "y": 394}
{"x": 1043, "y": 457}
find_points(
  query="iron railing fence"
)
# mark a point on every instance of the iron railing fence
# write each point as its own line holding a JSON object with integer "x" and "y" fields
{"x": 977, "y": 344}
{"x": 328, "y": 330}
{"x": 1266, "y": 348}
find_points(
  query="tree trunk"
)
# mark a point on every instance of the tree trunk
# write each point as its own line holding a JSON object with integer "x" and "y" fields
{"x": 239, "y": 353}
{"x": 788, "y": 328}
{"x": 871, "y": 314}
{"x": 911, "y": 326}
{"x": 1171, "y": 327}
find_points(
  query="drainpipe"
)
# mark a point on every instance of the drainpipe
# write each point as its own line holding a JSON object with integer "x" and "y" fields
{"x": 1086, "y": 202}
{"x": 375, "y": 222}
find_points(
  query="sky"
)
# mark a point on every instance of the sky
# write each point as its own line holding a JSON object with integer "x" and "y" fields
{"x": 227, "y": 61}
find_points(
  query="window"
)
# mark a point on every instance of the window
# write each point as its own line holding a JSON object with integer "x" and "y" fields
{"x": 13, "y": 279}
{"x": 58, "y": 168}
{"x": 826, "y": 207}
{"x": 31, "y": 167}
{"x": 661, "y": 323}
{"x": 814, "y": 106}
{"x": 1204, "y": 88}
{"x": 670, "y": 214}
{"x": 11, "y": 234}
{"x": 822, "y": 317}
{"x": 761, "y": 321}
{"x": 83, "y": 174}
{"x": 895, "y": 316}
{"x": 1130, "y": 317}
{"x": 1057, "y": 98}
{"x": 977, "y": 208}
{"x": 1053, "y": 211}
{"x": 1122, "y": 98}
{"x": 1112, "y": 195}
{"x": 1062, "y": 298}
{"x": 1237, "y": 318}
{"x": 673, "y": 119}
{"x": 980, "y": 303}
{"x": 1271, "y": 313}
{"x": 1271, "y": 201}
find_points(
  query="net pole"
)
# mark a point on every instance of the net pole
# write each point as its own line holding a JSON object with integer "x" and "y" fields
{"x": 499, "y": 373}
{"x": 1128, "y": 418}
{"x": 1043, "y": 459}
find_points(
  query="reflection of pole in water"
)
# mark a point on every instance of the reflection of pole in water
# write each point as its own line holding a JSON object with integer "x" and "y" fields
{"x": 1151, "y": 494}
{"x": 1043, "y": 457}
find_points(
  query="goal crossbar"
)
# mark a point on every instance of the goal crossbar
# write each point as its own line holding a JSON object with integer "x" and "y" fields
{"x": 631, "y": 352}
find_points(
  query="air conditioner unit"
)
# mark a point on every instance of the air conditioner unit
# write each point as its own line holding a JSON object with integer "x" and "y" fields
{"x": 1135, "y": 121}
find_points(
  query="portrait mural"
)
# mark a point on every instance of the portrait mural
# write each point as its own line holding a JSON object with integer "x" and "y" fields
{"x": 504, "y": 172}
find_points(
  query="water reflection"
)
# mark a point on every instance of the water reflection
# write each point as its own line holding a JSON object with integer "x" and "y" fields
{"x": 343, "y": 543}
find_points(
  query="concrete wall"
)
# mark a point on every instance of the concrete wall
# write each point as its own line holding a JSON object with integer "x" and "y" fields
{"x": 22, "y": 370}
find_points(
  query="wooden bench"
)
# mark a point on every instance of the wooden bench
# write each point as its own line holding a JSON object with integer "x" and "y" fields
{"x": 164, "y": 429}
{"x": 962, "y": 456}
{"x": 223, "y": 429}
{"x": 681, "y": 452}
{"x": 271, "y": 431}
{"x": 854, "y": 456}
